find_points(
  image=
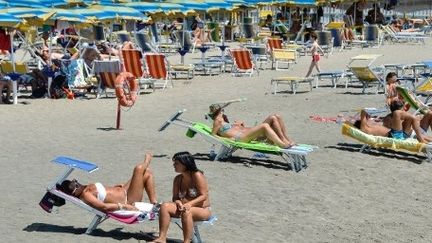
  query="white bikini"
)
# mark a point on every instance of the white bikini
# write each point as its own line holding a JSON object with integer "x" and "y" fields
{"x": 101, "y": 191}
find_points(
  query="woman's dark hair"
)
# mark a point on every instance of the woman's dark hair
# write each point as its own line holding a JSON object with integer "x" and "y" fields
{"x": 357, "y": 124}
{"x": 313, "y": 35}
{"x": 186, "y": 159}
{"x": 67, "y": 187}
{"x": 396, "y": 105}
{"x": 390, "y": 75}
{"x": 215, "y": 109}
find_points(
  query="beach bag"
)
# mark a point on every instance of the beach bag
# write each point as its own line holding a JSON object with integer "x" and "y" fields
{"x": 58, "y": 86}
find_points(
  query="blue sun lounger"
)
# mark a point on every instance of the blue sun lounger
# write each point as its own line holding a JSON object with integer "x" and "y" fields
{"x": 295, "y": 156}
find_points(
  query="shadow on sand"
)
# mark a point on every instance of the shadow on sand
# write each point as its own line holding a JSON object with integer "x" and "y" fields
{"x": 248, "y": 162}
{"x": 116, "y": 233}
{"x": 387, "y": 153}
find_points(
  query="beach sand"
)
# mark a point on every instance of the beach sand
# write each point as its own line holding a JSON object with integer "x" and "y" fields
{"x": 344, "y": 195}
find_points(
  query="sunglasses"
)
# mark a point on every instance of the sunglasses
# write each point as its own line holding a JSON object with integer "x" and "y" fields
{"x": 77, "y": 185}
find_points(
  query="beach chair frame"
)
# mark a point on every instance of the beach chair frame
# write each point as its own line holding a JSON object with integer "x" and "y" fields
{"x": 295, "y": 157}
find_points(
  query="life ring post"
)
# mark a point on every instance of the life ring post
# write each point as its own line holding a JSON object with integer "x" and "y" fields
{"x": 118, "y": 116}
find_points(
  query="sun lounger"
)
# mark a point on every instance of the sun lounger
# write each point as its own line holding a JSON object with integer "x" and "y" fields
{"x": 148, "y": 211}
{"x": 294, "y": 156}
{"x": 293, "y": 82}
{"x": 360, "y": 66}
{"x": 412, "y": 100}
{"x": 410, "y": 145}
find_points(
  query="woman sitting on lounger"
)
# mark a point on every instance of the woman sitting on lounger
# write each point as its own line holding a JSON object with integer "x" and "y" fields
{"x": 190, "y": 199}
{"x": 272, "y": 129}
{"x": 118, "y": 197}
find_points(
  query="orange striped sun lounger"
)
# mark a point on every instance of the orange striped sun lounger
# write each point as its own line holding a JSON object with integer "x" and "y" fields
{"x": 274, "y": 43}
{"x": 243, "y": 64}
{"x": 157, "y": 68}
{"x": 107, "y": 72}
{"x": 132, "y": 63}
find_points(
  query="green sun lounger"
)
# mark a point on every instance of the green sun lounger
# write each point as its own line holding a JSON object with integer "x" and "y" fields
{"x": 295, "y": 156}
{"x": 412, "y": 100}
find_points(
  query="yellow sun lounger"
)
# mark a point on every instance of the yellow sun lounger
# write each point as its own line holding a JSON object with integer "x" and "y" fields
{"x": 410, "y": 145}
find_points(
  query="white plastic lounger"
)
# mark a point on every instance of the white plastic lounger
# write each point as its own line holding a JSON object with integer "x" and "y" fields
{"x": 295, "y": 156}
{"x": 148, "y": 212}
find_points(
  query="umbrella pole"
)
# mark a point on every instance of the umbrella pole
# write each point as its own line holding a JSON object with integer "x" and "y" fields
{"x": 49, "y": 64}
{"x": 14, "y": 82}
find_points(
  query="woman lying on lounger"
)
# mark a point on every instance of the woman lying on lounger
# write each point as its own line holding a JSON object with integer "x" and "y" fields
{"x": 190, "y": 199}
{"x": 121, "y": 196}
{"x": 272, "y": 129}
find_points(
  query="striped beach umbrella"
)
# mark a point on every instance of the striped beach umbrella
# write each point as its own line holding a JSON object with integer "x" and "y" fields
{"x": 8, "y": 20}
{"x": 25, "y": 3}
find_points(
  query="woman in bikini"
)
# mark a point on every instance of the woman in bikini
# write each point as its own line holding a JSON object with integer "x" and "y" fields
{"x": 190, "y": 199}
{"x": 118, "y": 197}
{"x": 273, "y": 129}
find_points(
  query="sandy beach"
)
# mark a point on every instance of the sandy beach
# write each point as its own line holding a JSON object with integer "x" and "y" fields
{"x": 344, "y": 195}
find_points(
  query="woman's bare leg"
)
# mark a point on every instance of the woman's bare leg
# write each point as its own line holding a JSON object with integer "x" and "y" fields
{"x": 167, "y": 210}
{"x": 426, "y": 121}
{"x": 188, "y": 217}
{"x": 263, "y": 129}
{"x": 142, "y": 179}
{"x": 277, "y": 124}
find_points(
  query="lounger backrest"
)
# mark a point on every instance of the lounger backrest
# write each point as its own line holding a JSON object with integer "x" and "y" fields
{"x": 282, "y": 54}
{"x": 242, "y": 58}
{"x": 156, "y": 65}
{"x": 123, "y": 36}
{"x": 425, "y": 86}
{"x": 371, "y": 32}
{"x": 364, "y": 74}
{"x": 324, "y": 38}
{"x": 108, "y": 72}
{"x": 248, "y": 31}
{"x": 336, "y": 35}
{"x": 132, "y": 62}
{"x": 20, "y": 67}
{"x": 274, "y": 43}
{"x": 184, "y": 39}
{"x": 144, "y": 42}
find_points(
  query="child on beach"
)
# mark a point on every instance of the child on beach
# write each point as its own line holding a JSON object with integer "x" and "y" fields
{"x": 315, "y": 54}
{"x": 391, "y": 83}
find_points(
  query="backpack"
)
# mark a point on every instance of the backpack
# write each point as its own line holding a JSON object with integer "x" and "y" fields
{"x": 58, "y": 86}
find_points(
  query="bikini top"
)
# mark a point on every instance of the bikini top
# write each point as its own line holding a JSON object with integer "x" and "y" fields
{"x": 225, "y": 127}
{"x": 101, "y": 191}
{"x": 190, "y": 192}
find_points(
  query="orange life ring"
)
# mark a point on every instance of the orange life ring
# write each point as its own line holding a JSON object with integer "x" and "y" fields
{"x": 126, "y": 98}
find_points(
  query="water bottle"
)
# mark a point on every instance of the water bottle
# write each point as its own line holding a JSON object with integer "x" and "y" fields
{"x": 212, "y": 153}
{"x": 339, "y": 119}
